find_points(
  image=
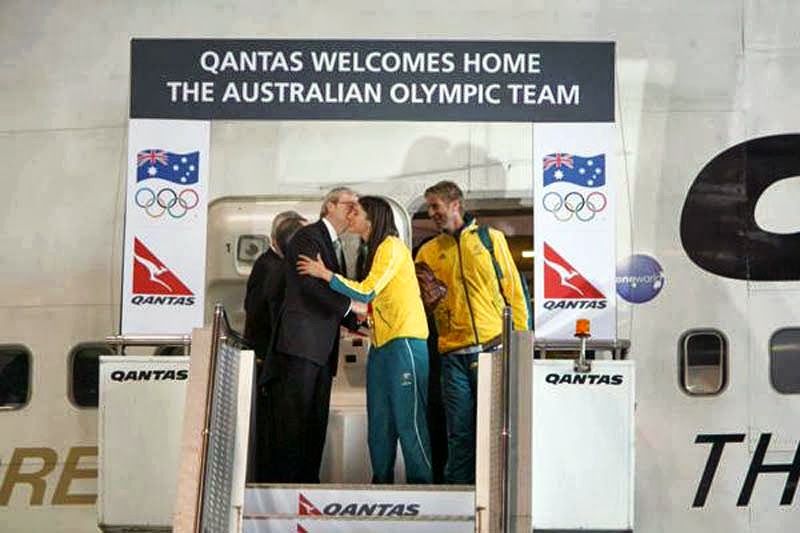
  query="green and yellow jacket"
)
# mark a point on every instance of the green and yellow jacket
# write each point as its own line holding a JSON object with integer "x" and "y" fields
{"x": 391, "y": 287}
{"x": 471, "y": 313}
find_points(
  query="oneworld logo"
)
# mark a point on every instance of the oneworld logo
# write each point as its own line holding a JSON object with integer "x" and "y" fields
{"x": 639, "y": 279}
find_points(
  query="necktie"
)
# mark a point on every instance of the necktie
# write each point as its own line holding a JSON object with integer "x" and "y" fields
{"x": 337, "y": 248}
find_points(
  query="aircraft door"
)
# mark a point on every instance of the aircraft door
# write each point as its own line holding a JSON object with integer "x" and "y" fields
{"x": 238, "y": 233}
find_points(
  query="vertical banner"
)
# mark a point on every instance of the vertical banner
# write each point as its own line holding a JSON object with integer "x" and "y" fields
{"x": 163, "y": 280}
{"x": 574, "y": 228}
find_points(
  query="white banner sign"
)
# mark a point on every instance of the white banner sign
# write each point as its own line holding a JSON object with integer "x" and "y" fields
{"x": 344, "y": 503}
{"x": 165, "y": 226}
{"x": 356, "y": 526}
{"x": 574, "y": 265}
{"x": 583, "y": 446}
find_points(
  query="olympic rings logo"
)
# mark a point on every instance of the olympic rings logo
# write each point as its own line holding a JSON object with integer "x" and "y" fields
{"x": 166, "y": 200}
{"x": 574, "y": 203}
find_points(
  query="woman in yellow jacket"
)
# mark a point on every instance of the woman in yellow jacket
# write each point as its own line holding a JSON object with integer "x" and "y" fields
{"x": 397, "y": 367}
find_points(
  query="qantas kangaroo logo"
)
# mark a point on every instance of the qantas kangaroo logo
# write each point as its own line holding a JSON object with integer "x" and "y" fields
{"x": 562, "y": 281}
{"x": 151, "y": 276}
{"x": 305, "y": 507}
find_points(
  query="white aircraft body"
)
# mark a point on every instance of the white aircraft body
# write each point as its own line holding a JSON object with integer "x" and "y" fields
{"x": 716, "y": 349}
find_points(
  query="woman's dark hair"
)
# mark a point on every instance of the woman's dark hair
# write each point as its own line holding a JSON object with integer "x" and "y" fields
{"x": 380, "y": 216}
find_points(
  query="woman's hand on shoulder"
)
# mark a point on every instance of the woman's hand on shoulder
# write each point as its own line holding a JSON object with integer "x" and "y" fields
{"x": 313, "y": 267}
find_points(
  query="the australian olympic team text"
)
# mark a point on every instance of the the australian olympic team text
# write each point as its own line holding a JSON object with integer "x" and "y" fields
{"x": 442, "y": 91}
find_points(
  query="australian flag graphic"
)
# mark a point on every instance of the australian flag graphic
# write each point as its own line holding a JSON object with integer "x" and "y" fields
{"x": 182, "y": 169}
{"x": 575, "y": 169}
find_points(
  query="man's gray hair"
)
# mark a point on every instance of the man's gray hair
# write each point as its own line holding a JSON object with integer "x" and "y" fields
{"x": 279, "y": 218}
{"x": 333, "y": 196}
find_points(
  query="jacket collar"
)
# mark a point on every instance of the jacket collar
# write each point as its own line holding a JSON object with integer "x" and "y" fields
{"x": 470, "y": 224}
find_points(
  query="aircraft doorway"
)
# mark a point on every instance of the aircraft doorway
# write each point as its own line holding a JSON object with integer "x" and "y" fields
{"x": 239, "y": 233}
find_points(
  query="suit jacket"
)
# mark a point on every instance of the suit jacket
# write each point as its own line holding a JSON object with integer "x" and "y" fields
{"x": 266, "y": 288}
{"x": 312, "y": 312}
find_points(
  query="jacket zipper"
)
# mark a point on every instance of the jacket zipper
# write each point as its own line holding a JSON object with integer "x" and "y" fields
{"x": 466, "y": 291}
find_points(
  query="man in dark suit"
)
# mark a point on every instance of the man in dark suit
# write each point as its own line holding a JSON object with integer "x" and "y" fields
{"x": 266, "y": 287}
{"x": 299, "y": 373}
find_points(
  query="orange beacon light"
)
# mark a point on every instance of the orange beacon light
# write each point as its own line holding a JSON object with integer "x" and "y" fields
{"x": 583, "y": 327}
{"x": 582, "y": 331}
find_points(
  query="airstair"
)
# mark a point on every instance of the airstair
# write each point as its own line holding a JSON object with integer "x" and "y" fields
{"x": 526, "y": 480}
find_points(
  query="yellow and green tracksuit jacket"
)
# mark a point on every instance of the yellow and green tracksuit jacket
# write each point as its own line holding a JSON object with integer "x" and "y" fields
{"x": 391, "y": 286}
{"x": 472, "y": 311}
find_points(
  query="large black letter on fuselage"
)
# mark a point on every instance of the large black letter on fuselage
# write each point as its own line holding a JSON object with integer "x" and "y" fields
{"x": 757, "y": 467}
{"x": 718, "y": 226}
{"x": 718, "y": 443}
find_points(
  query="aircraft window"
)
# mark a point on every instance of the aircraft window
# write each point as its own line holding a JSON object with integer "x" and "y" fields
{"x": 703, "y": 362}
{"x": 15, "y": 376}
{"x": 784, "y": 360}
{"x": 85, "y": 373}
{"x": 249, "y": 247}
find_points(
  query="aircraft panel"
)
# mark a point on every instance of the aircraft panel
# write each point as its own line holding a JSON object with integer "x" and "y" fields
{"x": 66, "y": 65}
{"x": 77, "y": 519}
{"x": 771, "y": 24}
{"x": 57, "y": 214}
{"x": 245, "y": 159}
{"x": 770, "y": 411}
{"x": 50, "y": 333}
{"x": 769, "y": 91}
{"x": 326, "y": 153}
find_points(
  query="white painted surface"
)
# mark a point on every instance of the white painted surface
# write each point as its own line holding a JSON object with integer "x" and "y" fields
{"x": 242, "y": 441}
{"x": 140, "y": 422}
{"x": 583, "y": 446}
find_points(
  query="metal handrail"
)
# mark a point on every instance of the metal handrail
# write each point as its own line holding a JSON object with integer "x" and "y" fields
{"x": 227, "y": 333}
{"x": 619, "y": 347}
{"x": 221, "y": 332}
{"x": 120, "y": 342}
{"x": 505, "y": 434}
{"x": 219, "y": 322}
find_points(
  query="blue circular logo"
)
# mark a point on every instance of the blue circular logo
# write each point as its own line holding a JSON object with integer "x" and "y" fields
{"x": 639, "y": 278}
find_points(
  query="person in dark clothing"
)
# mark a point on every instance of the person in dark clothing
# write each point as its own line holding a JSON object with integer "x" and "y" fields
{"x": 266, "y": 287}
{"x": 436, "y": 418}
{"x": 267, "y": 284}
{"x": 298, "y": 373}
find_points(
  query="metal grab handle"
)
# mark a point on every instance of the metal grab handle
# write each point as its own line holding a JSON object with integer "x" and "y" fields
{"x": 619, "y": 347}
{"x": 119, "y": 342}
{"x": 582, "y": 365}
{"x": 505, "y": 434}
